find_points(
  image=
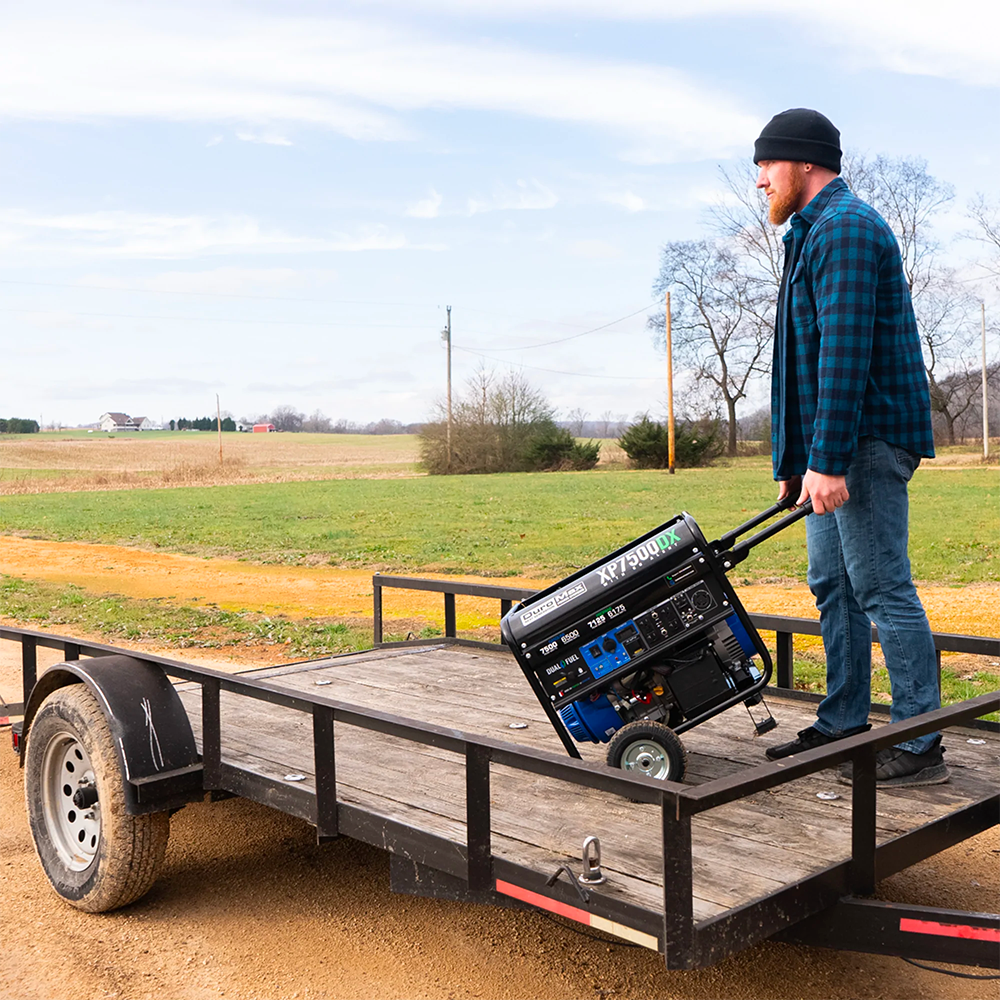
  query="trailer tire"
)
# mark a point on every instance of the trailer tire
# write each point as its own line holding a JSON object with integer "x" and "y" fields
{"x": 96, "y": 855}
{"x": 649, "y": 748}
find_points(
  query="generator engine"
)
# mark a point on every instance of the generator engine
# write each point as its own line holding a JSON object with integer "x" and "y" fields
{"x": 645, "y": 644}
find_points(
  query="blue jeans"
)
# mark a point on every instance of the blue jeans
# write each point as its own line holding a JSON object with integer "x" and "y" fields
{"x": 859, "y": 572}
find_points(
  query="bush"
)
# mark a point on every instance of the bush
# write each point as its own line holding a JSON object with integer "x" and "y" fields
{"x": 555, "y": 448}
{"x": 502, "y": 425}
{"x": 646, "y": 444}
{"x": 18, "y": 425}
{"x": 696, "y": 442}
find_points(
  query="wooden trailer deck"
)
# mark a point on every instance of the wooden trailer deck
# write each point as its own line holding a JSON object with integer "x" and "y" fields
{"x": 741, "y": 850}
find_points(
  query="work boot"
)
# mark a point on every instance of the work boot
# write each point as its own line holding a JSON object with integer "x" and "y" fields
{"x": 809, "y": 739}
{"x": 895, "y": 768}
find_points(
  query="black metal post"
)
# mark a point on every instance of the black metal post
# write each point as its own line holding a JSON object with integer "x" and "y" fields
{"x": 71, "y": 651}
{"x": 504, "y": 607}
{"x": 862, "y": 871}
{"x": 678, "y": 903}
{"x": 377, "y": 620}
{"x": 326, "y": 774}
{"x": 211, "y": 733}
{"x": 29, "y": 665}
{"x": 449, "y": 615}
{"x": 784, "y": 642}
{"x": 477, "y": 816}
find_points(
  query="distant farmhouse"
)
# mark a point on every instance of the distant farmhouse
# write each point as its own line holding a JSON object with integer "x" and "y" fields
{"x": 123, "y": 422}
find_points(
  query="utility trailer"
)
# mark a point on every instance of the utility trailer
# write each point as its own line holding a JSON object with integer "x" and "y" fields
{"x": 438, "y": 752}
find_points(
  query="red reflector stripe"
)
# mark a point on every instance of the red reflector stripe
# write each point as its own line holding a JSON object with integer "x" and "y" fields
{"x": 552, "y": 905}
{"x": 949, "y": 930}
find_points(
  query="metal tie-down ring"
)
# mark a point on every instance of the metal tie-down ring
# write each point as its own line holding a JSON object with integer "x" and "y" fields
{"x": 592, "y": 874}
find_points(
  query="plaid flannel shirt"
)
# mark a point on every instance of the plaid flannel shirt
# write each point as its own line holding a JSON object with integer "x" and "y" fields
{"x": 847, "y": 359}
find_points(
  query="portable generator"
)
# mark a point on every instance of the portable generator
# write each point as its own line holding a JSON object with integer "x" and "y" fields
{"x": 647, "y": 643}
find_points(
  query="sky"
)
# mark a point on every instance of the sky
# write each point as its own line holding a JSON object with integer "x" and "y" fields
{"x": 275, "y": 202}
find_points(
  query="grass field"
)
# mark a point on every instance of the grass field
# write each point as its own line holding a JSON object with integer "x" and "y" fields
{"x": 541, "y": 524}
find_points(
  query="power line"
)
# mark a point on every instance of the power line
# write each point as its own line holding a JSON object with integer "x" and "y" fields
{"x": 584, "y": 333}
{"x": 556, "y": 371}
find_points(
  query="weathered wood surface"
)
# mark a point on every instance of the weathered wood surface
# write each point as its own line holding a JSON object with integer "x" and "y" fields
{"x": 741, "y": 851}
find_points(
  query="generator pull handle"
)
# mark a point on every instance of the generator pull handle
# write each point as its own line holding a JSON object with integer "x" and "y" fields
{"x": 729, "y": 537}
{"x": 739, "y": 552}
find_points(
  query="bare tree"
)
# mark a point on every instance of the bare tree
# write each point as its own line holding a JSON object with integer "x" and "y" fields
{"x": 287, "y": 418}
{"x": 908, "y": 198}
{"x": 317, "y": 423}
{"x": 742, "y": 217}
{"x": 606, "y": 419}
{"x": 986, "y": 216}
{"x": 722, "y": 323}
{"x": 577, "y": 418}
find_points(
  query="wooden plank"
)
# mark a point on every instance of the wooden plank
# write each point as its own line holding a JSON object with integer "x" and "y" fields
{"x": 741, "y": 851}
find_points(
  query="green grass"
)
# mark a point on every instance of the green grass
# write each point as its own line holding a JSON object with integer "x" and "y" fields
{"x": 165, "y": 624}
{"x": 502, "y": 525}
{"x": 957, "y": 683}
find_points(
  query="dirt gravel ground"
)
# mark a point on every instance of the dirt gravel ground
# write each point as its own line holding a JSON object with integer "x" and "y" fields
{"x": 249, "y": 907}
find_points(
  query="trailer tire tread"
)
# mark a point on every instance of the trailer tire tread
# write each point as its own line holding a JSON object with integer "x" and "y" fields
{"x": 132, "y": 848}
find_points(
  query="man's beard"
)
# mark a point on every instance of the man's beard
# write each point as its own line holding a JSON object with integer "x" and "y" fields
{"x": 783, "y": 205}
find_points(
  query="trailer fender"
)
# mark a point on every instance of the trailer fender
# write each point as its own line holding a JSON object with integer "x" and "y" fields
{"x": 159, "y": 762}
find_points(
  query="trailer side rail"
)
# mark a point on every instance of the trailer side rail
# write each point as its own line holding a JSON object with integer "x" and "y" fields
{"x": 785, "y": 628}
{"x": 685, "y": 943}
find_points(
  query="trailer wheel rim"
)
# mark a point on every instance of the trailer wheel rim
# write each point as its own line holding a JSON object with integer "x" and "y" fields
{"x": 646, "y": 757}
{"x": 74, "y": 831}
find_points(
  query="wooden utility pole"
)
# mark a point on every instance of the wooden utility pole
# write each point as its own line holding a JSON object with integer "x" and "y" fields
{"x": 218, "y": 420}
{"x": 447, "y": 337}
{"x": 670, "y": 394}
{"x": 986, "y": 395}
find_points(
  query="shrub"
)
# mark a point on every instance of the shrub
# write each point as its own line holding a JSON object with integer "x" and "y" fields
{"x": 501, "y": 425}
{"x": 696, "y": 442}
{"x": 552, "y": 447}
{"x": 645, "y": 443}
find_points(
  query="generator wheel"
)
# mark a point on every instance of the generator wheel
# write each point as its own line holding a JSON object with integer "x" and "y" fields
{"x": 649, "y": 748}
{"x": 97, "y": 856}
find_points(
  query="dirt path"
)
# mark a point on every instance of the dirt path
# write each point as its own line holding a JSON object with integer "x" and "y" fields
{"x": 249, "y": 908}
{"x": 300, "y": 591}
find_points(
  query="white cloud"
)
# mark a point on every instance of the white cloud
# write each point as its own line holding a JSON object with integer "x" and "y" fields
{"x": 956, "y": 41}
{"x": 627, "y": 200}
{"x": 426, "y": 208}
{"x": 138, "y": 235}
{"x": 183, "y": 63}
{"x": 269, "y": 139}
{"x": 525, "y": 195}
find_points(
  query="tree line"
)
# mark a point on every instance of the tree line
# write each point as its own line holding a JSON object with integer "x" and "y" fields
{"x": 18, "y": 425}
{"x": 724, "y": 290}
{"x": 288, "y": 418}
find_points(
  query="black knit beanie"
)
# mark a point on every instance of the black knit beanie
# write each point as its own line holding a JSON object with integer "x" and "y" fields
{"x": 801, "y": 135}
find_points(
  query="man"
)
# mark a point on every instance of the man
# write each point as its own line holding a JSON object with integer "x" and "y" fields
{"x": 850, "y": 422}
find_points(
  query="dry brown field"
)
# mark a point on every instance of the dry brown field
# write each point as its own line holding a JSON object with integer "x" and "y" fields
{"x": 74, "y": 460}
